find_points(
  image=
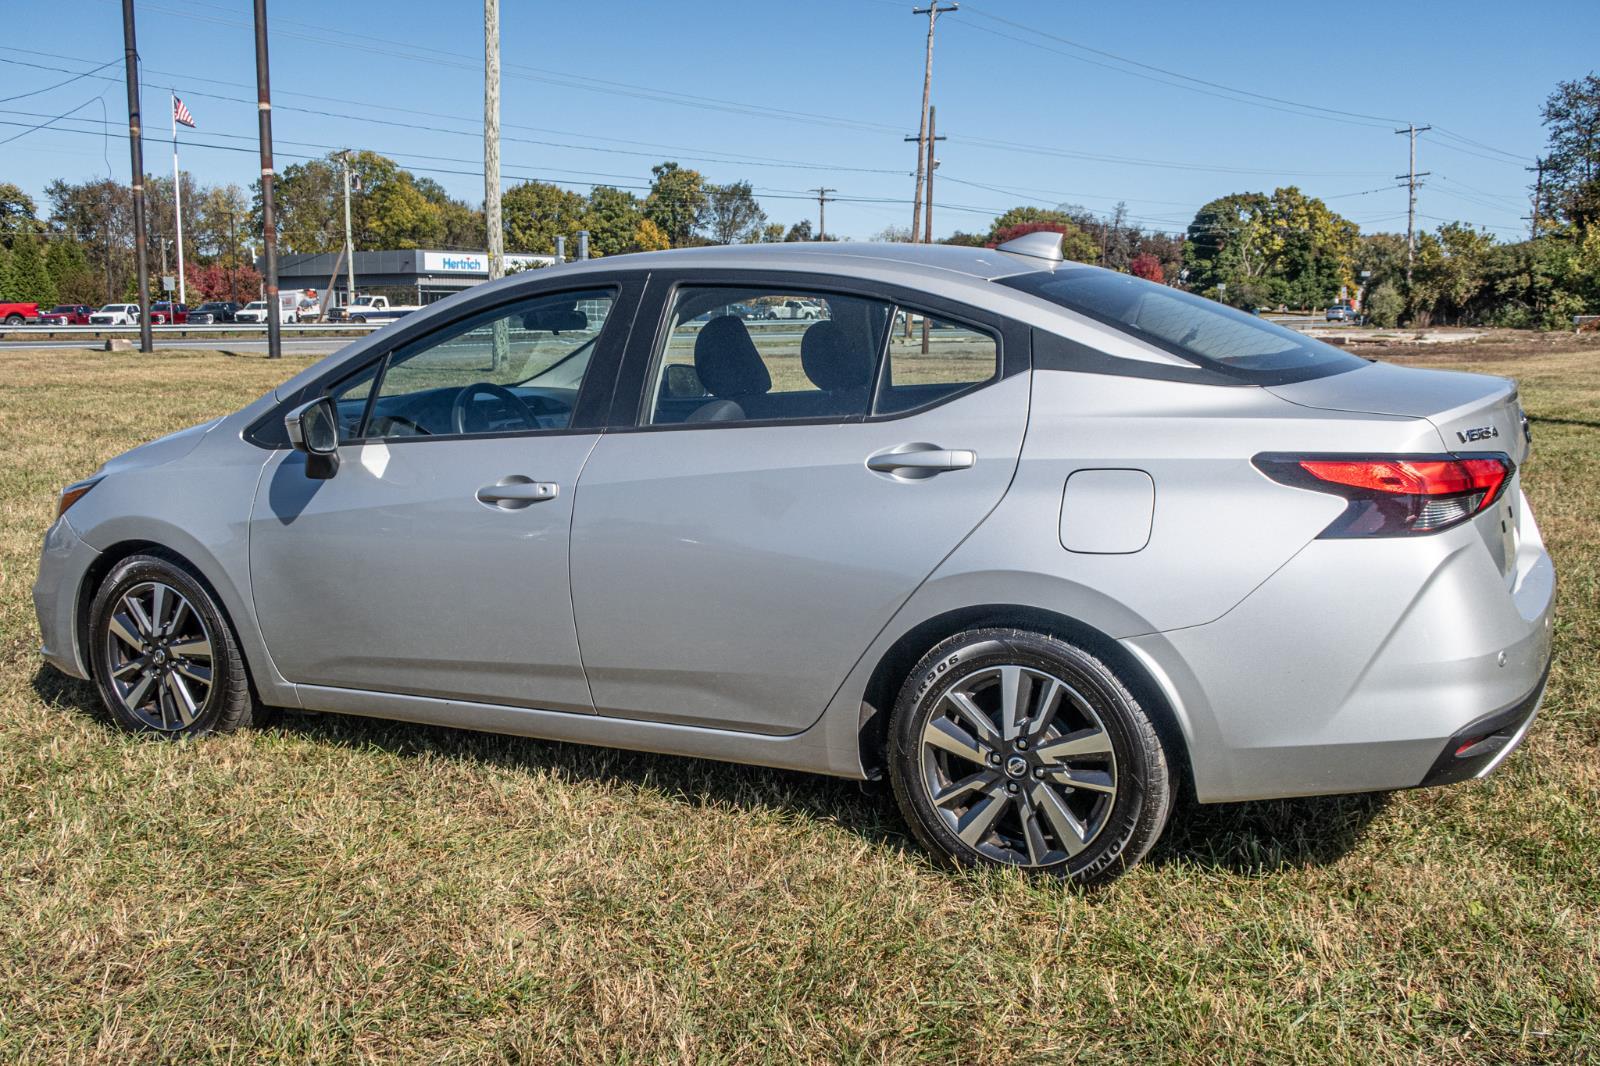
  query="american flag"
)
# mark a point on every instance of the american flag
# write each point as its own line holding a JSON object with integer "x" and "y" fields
{"x": 181, "y": 113}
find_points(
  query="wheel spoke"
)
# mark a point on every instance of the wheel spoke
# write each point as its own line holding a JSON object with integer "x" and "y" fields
{"x": 1014, "y": 688}
{"x": 945, "y": 735}
{"x": 980, "y": 817}
{"x": 1068, "y": 830}
{"x": 1049, "y": 703}
{"x": 1033, "y": 834}
{"x": 982, "y": 780}
{"x": 135, "y": 695}
{"x": 182, "y": 702}
{"x": 1093, "y": 780}
{"x": 969, "y": 713}
{"x": 1091, "y": 741}
{"x": 193, "y": 672}
{"x": 176, "y": 624}
{"x": 158, "y": 609}
{"x": 198, "y": 648}
{"x": 122, "y": 627}
{"x": 128, "y": 667}
{"x": 140, "y": 619}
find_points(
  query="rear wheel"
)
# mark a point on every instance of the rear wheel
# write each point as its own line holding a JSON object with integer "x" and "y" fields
{"x": 1012, "y": 748}
{"x": 13, "y": 320}
{"x": 165, "y": 660}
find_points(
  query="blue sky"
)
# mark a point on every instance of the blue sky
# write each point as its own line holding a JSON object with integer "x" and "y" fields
{"x": 596, "y": 93}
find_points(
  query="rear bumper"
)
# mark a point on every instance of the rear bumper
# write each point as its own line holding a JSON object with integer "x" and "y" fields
{"x": 1479, "y": 748}
{"x": 1364, "y": 666}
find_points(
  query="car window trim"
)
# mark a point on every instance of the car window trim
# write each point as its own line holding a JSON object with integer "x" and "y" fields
{"x": 1013, "y": 340}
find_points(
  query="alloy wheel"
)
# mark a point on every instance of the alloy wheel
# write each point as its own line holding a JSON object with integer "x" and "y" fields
{"x": 1018, "y": 765}
{"x": 160, "y": 653}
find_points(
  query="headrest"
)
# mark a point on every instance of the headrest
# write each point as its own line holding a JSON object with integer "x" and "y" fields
{"x": 833, "y": 360}
{"x": 727, "y": 360}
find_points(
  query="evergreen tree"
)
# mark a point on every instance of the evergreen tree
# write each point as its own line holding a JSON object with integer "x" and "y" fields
{"x": 26, "y": 279}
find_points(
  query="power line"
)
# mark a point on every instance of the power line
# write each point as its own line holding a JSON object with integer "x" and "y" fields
{"x": 59, "y": 84}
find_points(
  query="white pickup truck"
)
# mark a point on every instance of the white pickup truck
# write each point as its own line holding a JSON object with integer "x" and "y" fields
{"x": 377, "y": 309}
{"x": 116, "y": 315}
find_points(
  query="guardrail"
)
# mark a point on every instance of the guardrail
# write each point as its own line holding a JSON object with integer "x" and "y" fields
{"x": 223, "y": 329}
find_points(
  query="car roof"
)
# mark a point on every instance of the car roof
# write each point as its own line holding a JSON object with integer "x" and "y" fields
{"x": 842, "y": 257}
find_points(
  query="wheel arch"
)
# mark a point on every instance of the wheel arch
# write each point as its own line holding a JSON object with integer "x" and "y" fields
{"x": 94, "y": 577}
{"x": 895, "y": 665}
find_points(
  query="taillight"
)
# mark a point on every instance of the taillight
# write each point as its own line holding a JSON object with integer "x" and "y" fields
{"x": 1393, "y": 495}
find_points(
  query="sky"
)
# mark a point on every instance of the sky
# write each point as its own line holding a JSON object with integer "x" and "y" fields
{"x": 1161, "y": 105}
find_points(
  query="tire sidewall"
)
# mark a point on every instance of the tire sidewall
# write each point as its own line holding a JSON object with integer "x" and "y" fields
{"x": 137, "y": 570}
{"x": 967, "y": 653}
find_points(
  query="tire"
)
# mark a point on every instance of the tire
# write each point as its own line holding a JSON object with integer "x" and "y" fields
{"x": 360, "y": 320}
{"x": 139, "y": 645}
{"x": 14, "y": 320}
{"x": 1079, "y": 788}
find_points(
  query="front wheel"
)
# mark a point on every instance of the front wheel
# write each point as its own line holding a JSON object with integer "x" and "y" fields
{"x": 1013, "y": 748}
{"x": 164, "y": 658}
{"x": 13, "y": 320}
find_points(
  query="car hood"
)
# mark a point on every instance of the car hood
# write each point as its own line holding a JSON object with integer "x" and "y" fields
{"x": 166, "y": 449}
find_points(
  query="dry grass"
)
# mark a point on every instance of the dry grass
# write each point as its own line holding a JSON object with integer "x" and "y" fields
{"x": 343, "y": 889}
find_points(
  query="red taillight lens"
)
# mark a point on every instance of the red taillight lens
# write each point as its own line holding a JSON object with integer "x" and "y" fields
{"x": 1391, "y": 495}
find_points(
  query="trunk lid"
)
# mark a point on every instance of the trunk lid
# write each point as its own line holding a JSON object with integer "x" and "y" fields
{"x": 1472, "y": 413}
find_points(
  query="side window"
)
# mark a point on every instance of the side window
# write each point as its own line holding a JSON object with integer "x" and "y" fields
{"x": 931, "y": 359}
{"x": 513, "y": 370}
{"x": 743, "y": 354}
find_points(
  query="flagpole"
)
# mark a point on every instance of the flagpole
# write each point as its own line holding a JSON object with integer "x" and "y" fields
{"x": 177, "y": 202}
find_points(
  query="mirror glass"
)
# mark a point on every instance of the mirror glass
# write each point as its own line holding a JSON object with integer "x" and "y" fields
{"x": 683, "y": 382}
{"x": 318, "y": 428}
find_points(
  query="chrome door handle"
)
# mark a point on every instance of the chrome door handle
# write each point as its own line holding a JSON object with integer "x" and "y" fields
{"x": 918, "y": 460}
{"x": 516, "y": 491}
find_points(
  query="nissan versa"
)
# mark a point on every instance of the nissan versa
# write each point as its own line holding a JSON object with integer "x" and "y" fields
{"x": 1042, "y": 543}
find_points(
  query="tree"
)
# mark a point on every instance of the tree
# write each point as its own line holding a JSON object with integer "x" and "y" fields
{"x": 677, "y": 201}
{"x": 1572, "y": 157}
{"x": 771, "y": 233}
{"x": 26, "y": 279}
{"x": 536, "y": 213}
{"x": 69, "y": 272}
{"x": 214, "y": 281}
{"x": 800, "y": 231}
{"x": 1075, "y": 244}
{"x": 399, "y": 216}
{"x": 892, "y": 235}
{"x": 1384, "y": 305}
{"x": 1251, "y": 249}
{"x": 19, "y": 215}
{"x": 461, "y": 225}
{"x": 732, "y": 214}
{"x": 649, "y": 237}
{"x": 612, "y": 219}
{"x": 1146, "y": 266}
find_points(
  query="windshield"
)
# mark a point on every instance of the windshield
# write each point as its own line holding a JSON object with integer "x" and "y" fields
{"x": 1202, "y": 331}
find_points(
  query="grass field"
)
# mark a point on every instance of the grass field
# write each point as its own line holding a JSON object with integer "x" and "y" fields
{"x": 345, "y": 889}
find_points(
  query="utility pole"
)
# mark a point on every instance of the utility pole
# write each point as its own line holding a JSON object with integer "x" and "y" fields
{"x": 932, "y": 165}
{"x": 349, "y": 241}
{"x": 233, "y": 258}
{"x": 1410, "y": 178}
{"x": 269, "y": 223}
{"x": 491, "y": 138}
{"x": 933, "y": 11}
{"x": 822, "y": 211}
{"x": 130, "y": 49}
{"x": 1538, "y": 193}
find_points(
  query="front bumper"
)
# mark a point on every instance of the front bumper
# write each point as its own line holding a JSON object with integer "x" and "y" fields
{"x": 62, "y": 566}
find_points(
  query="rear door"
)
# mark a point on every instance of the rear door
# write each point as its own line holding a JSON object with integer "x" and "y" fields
{"x": 771, "y": 491}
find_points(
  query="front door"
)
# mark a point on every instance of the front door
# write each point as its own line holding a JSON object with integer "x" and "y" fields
{"x": 434, "y": 561}
{"x": 789, "y": 486}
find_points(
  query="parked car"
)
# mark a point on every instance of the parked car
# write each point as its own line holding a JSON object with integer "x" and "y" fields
{"x": 15, "y": 314}
{"x": 116, "y": 315}
{"x": 1340, "y": 313}
{"x": 796, "y": 309}
{"x": 377, "y": 309}
{"x": 254, "y": 311}
{"x": 213, "y": 312}
{"x": 1103, "y": 541}
{"x": 66, "y": 315}
{"x": 164, "y": 313}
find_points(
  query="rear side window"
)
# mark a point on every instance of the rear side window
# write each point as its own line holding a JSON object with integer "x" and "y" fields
{"x": 1202, "y": 331}
{"x": 931, "y": 359}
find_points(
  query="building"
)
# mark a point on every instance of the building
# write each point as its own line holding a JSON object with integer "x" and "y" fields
{"x": 409, "y": 275}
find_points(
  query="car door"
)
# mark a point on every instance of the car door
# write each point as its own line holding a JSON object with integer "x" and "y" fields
{"x": 434, "y": 561}
{"x": 772, "y": 491}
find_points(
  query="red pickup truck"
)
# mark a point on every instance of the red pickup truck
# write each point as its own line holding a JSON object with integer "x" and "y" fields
{"x": 17, "y": 314}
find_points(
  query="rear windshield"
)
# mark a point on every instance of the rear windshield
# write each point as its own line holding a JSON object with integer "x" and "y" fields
{"x": 1202, "y": 331}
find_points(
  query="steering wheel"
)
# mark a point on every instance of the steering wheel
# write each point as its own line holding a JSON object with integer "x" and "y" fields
{"x": 510, "y": 403}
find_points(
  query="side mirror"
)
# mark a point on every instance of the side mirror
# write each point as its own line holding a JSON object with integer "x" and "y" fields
{"x": 314, "y": 429}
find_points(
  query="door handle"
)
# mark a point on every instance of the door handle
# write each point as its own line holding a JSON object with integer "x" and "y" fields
{"x": 913, "y": 462}
{"x": 515, "y": 492}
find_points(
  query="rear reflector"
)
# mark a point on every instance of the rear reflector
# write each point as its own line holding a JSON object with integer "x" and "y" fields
{"x": 1395, "y": 495}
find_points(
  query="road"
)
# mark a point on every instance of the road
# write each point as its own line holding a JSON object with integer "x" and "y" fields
{"x": 291, "y": 345}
